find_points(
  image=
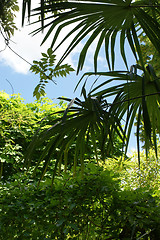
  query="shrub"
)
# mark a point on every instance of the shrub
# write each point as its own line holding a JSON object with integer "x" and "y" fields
{"x": 94, "y": 207}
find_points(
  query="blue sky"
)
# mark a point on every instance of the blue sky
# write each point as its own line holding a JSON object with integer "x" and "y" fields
{"x": 14, "y": 82}
{"x": 15, "y": 76}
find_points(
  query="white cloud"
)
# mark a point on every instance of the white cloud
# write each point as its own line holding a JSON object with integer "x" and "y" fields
{"x": 24, "y": 45}
{"x": 28, "y": 47}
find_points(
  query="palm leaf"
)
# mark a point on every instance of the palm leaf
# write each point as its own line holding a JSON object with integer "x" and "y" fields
{"x": 133, "y": 95}
{"x": 103, "y": 20}
{"x": 83, "y": 123}
{"x": 137, "y": 134}
{"x": 26, "y": 4}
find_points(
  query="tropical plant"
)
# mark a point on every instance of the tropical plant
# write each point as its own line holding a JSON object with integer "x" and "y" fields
{"x": 105, "y": 19}
{"x": 67, "y": 134}
{"x": 139, "y": 87}
{"x": 20, "y": 121}
{"x": 7, "y": 15}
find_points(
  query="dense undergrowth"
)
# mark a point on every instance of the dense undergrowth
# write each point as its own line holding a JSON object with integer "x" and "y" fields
{"x": 95, "y": 207}
{"x": 112, "y": 200}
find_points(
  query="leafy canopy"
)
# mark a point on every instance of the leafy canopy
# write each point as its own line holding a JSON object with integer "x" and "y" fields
{"x": 135, "y": 91}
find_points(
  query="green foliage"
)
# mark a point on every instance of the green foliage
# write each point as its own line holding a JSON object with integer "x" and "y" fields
{"x": 83, "y": 132}
{"x": 44, "y": 67}
{"x": 111, "y": 201}
{"x": 19, "y": 121}
{"x": 94, "y": 207}
{"x": 150, "y": 54}
{"x": 115, "y": 200}
{"x": 149, "y": 51}
{"x": 137, "y": 94}
{"x": 147, "y": 176}
{"x": 7, "y": 15}
{"x": 95, "y": 121}
{"x": 103, "y": 20}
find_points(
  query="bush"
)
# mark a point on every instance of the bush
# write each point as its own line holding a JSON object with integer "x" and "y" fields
{"x": 94, "y": 207}
{"x": 19, "y": 122}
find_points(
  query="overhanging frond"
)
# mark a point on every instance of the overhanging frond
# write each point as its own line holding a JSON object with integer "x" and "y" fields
{"x": 101, "y": 20}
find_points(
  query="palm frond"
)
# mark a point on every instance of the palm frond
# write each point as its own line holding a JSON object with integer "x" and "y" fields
{"x": 101, "y": 20}
{"x": 83, "y": 125}
{"x": 133, "y": 95}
